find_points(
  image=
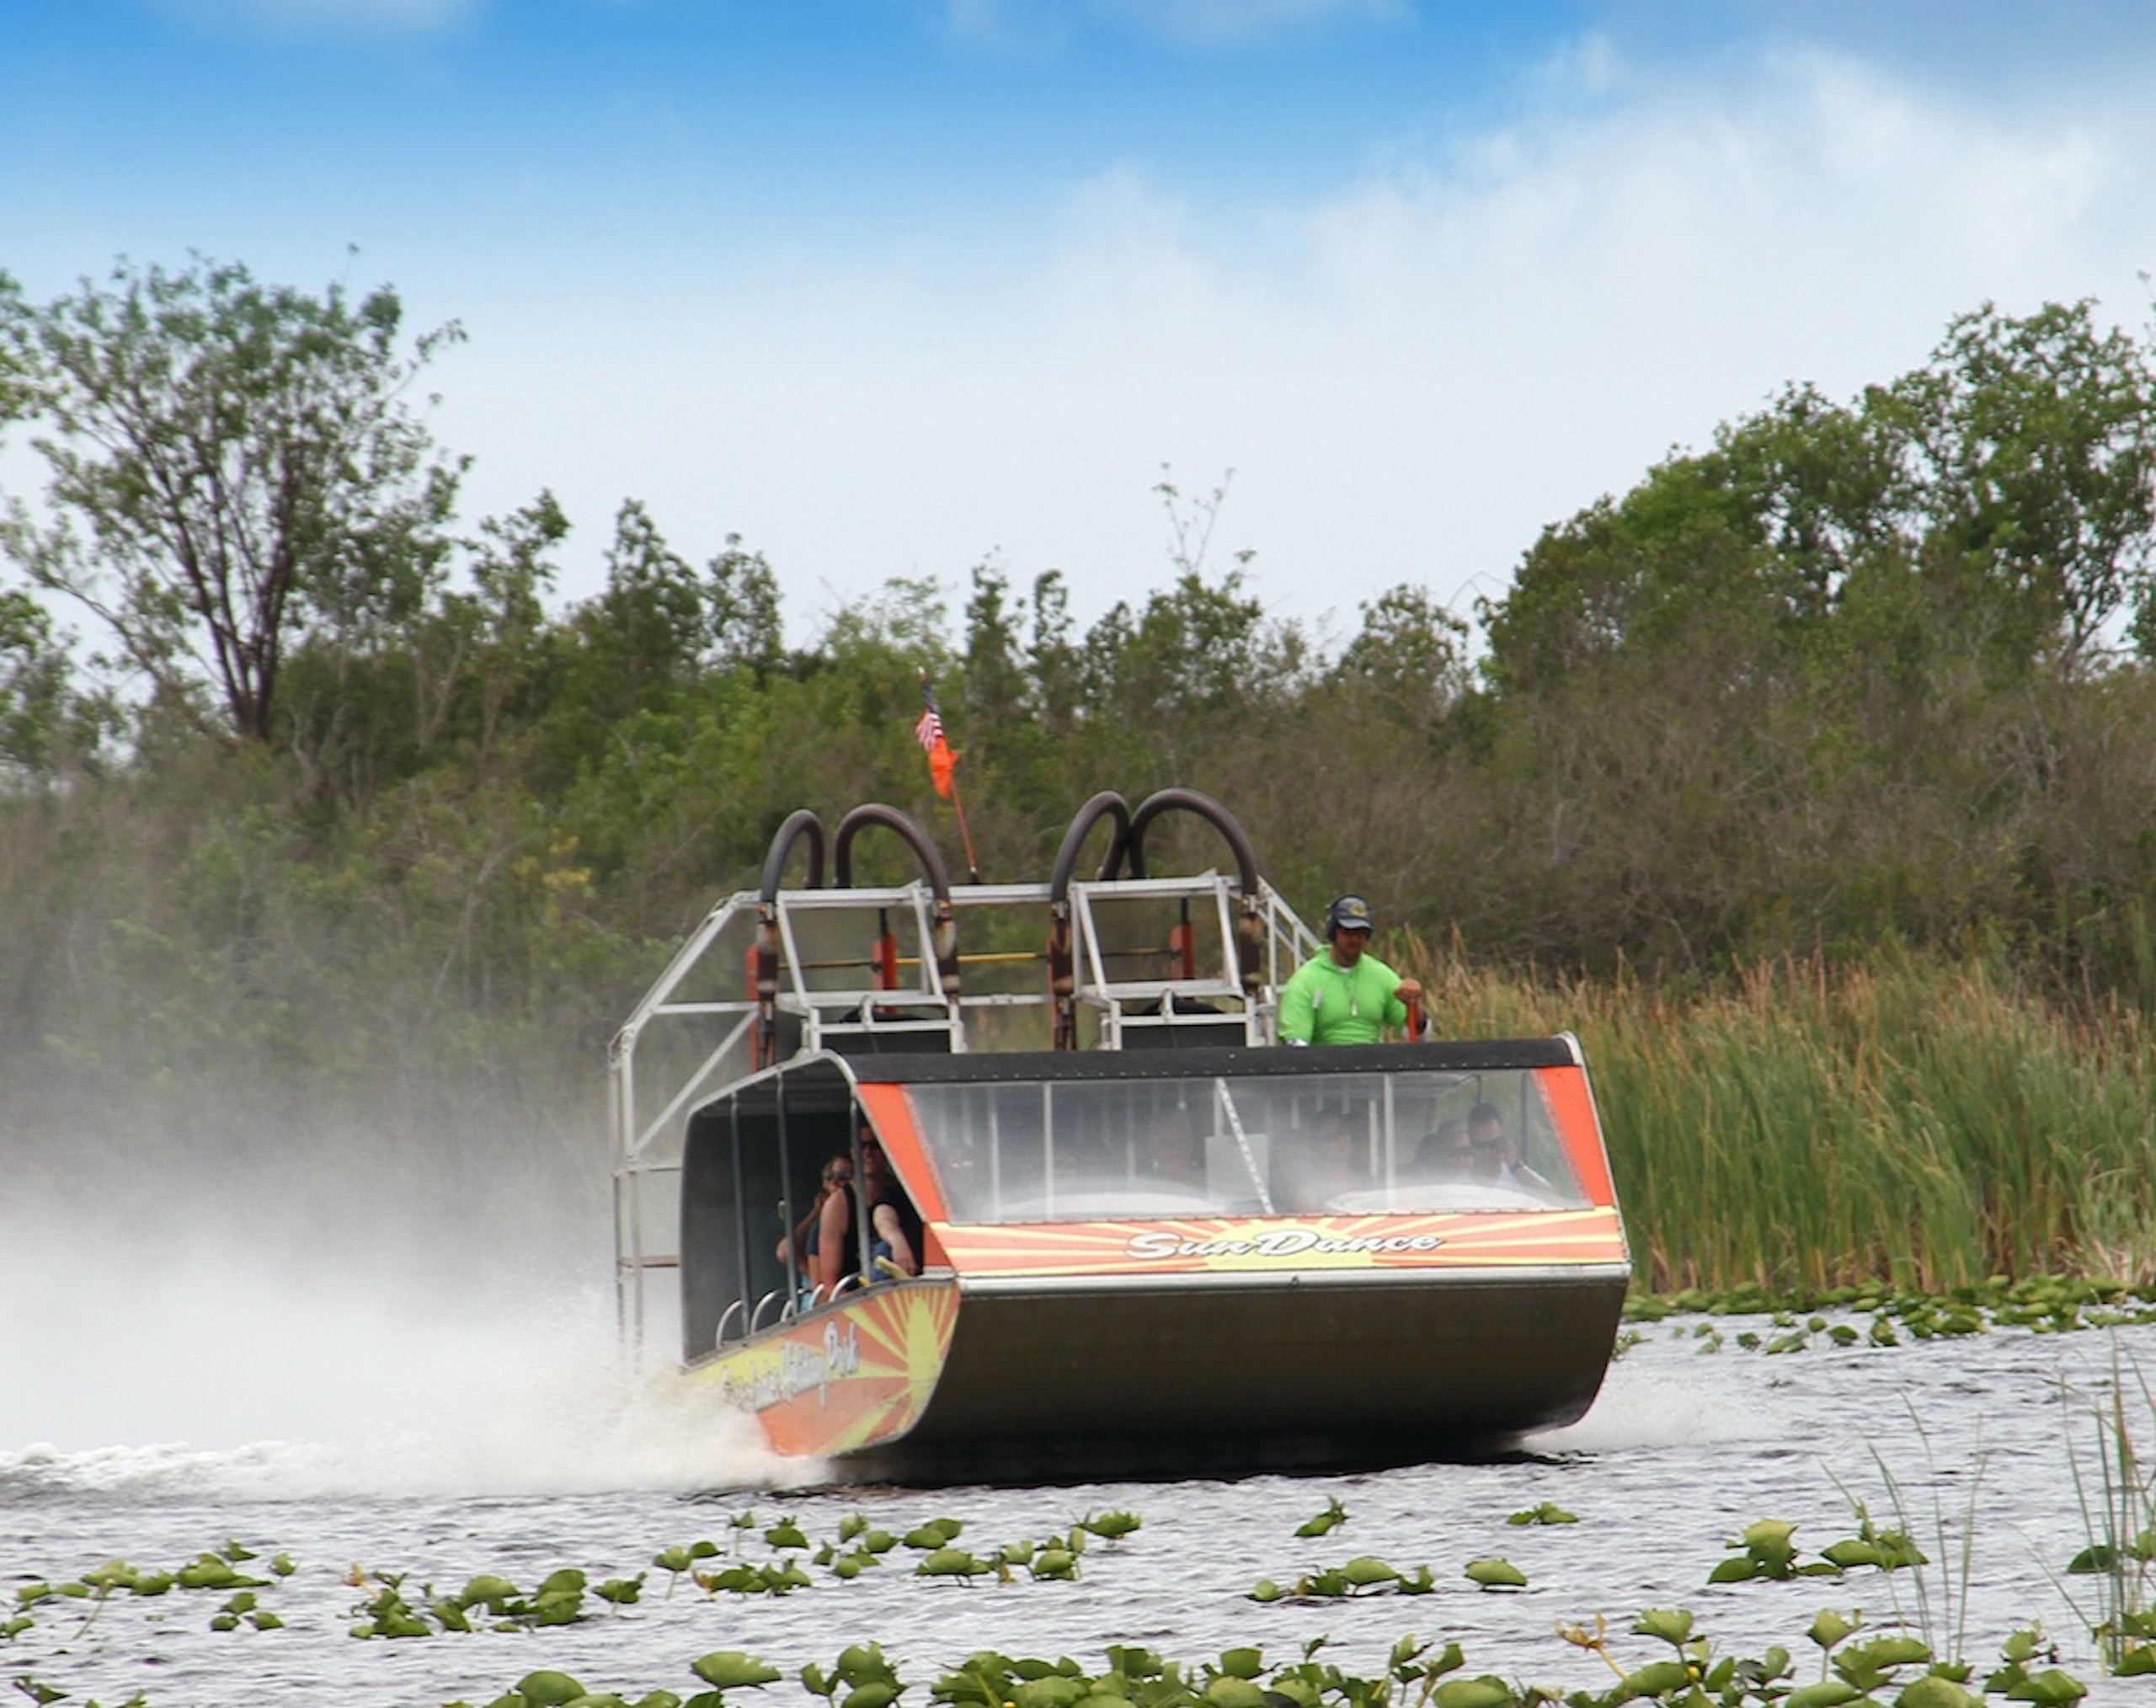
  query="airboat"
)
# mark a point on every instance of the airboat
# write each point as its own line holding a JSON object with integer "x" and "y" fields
{"x": 1152, "y": 1238}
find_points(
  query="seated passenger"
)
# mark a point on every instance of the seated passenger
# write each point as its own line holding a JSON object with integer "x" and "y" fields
{"x": 894, "y": 1225}
{"x": 1494, "y": 1156}
{"x": 836, "y": 1175}
{"x": 1444, "y": 1155}
{"x": 1177, "y": 1154}
{"x": 1318, "y": 1165}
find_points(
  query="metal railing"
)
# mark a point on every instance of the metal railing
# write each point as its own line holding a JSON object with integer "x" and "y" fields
{"x": 705, "y": 1008}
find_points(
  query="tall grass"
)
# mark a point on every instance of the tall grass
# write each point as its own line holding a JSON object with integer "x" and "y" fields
{"x": 1804, "y": 1124}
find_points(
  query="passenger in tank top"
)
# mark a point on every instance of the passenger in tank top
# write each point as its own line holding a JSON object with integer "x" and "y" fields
{"x": 895, "y": 1224}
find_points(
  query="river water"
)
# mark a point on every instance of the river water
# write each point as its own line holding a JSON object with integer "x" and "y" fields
{"x": 418, "y": 1441}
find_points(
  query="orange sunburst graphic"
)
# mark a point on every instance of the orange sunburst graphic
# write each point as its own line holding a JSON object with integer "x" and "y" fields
{"x": 1442, "y": 1241}
{"x": 843, "y": 1377}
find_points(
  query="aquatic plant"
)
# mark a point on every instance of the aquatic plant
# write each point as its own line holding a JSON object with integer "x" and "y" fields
{"x": 1850, "y": 1673}
{"x": 1364, "y": 1575}
{"x": 2049, "y": 1688}
{"x": 1939, "y": 1593}
{"x": 2118, "y": 1518}
{"x": 1325, "y": 1523}
{"x": 1766, "y": 1550}
{"x": 778, "y": 1577}
{"x": 678, "y": 1559}
{"x": 953, "y": 1562}
{"x": 1681, "y": 1669}
{"x": 723, "y": 1669}
{"x": 863, "y": 1671}
{"x": 2042, "y": 1304}
{"x": 212, "y": 1571}
{"x": 1763, "y": 1549}
{"x": 488, "y": 1597}
{"x": 859, "y": 1545}
{"x": 786, "y": 1534}
{"x": 731, "y": 1669}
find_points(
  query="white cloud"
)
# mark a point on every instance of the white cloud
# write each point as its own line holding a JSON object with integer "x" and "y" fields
{"x": 1412, "y": 375}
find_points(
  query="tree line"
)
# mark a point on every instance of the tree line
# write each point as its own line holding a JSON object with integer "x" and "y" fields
{"x": 296, "y": 768}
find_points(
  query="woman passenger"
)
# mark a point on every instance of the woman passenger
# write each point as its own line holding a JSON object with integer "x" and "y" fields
{"x": 894, "y": 1223}
{"x": 837, "y": 1174}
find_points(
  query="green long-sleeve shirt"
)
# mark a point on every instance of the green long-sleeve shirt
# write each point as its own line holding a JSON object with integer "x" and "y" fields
{"x": 1327, "y": 1003}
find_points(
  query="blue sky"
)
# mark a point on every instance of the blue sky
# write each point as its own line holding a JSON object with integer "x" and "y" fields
{"x": 888, "y": 285}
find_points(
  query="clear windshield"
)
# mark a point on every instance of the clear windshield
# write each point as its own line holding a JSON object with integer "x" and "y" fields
{"x": 1287, "y": 1145}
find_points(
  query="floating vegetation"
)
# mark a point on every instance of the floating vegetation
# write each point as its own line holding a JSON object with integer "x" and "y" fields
{"x": 1364, "y": 1575}
{"x": 859, "y": 1545}
{"x": 1495, "y": 1573}
{"x": 1853, "y": 1673}
{"x": 1798, "y": 1322}
{"x": 1766, "y": 1550}
{"x": 1334, "y": 1515}
{"x": 391, "y": 1609}
{"x": 218, "y": 1569}
{"x": 1683, "y": 1670}
{"x": 487, "y": 1601}
{"x": 778, "y": 1577}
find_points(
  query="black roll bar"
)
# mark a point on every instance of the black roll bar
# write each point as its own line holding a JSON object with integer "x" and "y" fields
{"x": 1106, "y": 804}
{"x": 800, "y": 824}
{"x": 944, "y": 937}
{"x": 1206, "y": 808}
{"x": 1062, "y": 971}
{"x": 1250, "y": 928}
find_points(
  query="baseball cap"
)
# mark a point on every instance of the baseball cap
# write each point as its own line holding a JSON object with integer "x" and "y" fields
{"x": 1350, "y": 912}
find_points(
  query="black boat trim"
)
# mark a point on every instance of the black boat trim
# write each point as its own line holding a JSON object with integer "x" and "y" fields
{"x": 1218, "y": 1061}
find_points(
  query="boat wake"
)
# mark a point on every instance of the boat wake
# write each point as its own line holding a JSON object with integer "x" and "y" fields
{"x": 221, "y": 1379}
{"x": 607, "y": 1431}
{"x": 1661, "y": 1394}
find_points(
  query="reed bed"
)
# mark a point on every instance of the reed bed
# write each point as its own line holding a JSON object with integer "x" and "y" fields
{"x": 1804, "y": 1124}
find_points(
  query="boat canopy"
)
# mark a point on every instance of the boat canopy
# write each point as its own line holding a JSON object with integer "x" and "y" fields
{"x": 1185, "y": 1144}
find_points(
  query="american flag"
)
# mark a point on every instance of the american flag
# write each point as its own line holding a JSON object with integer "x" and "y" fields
{"x": 928, "y": 731}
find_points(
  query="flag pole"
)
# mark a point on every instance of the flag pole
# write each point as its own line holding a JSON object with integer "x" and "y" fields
{"x": 965, "y": 836}
{"x": 943, "y": 768}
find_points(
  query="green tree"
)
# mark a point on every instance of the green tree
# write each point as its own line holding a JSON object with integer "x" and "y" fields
{"x": 46, "y": 725}
{"x": 2032, "y": 450}
{"x": 231, "y": 464}
{"x": 747, "y": 631}
{"x": 1054, "y": 660}
{"x": 650, "y": 626}
{"x": 1409, "y": 657}
{"x": 503, "y": 621}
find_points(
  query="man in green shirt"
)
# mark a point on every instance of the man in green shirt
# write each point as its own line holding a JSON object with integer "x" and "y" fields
{"x": 1345, "y": 996}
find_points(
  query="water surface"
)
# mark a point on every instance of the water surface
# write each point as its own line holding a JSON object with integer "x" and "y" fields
{"x": 441, "y": 1455}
